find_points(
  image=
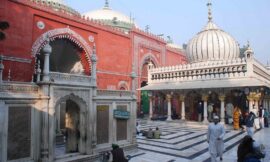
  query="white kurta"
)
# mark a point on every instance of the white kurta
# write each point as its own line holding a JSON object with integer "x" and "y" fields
{"x": 216, "y": 131}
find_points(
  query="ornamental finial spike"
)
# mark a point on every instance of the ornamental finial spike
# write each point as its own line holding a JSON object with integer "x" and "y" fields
{"x": 106, "y": 4}
{"x": 248, "y": 43}
{"x": 209, "y": 5}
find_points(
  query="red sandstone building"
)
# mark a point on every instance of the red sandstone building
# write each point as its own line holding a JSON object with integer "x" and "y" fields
{"x": 61, "y": 70}
{"x": 122, "y": 48}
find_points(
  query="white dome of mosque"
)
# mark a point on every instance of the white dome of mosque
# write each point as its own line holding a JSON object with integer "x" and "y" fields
{"x": 110, "y": 17}
{"x": 212, "y": 43}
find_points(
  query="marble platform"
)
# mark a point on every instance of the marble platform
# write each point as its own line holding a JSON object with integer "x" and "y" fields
{"x": 186, "y": 142}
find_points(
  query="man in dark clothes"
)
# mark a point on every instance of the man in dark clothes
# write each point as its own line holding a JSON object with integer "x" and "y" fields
{"x": 118, "y": 154}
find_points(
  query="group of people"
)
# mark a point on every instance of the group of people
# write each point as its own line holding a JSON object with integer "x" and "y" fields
{"x": 155, "y": 134}
{"x": 247, "y": 119}
{"x": 248, "y": 149}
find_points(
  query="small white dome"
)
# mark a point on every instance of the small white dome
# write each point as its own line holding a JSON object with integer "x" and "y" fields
{"x": 108, "y": 14}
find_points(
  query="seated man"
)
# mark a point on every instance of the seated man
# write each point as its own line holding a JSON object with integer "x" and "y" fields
{"x": 118, "y": 154}
{"x": 157, "y": 133}
{"x": 150, "y": 133}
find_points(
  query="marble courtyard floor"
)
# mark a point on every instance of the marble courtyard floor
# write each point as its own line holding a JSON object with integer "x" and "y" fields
{"x": 186, "y": 142}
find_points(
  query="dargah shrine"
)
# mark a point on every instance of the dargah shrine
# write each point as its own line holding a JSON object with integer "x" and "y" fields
{"x": 72, "y": 84}
{"x": 218, "y": 77}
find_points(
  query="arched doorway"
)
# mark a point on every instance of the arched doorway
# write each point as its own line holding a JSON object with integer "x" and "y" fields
{"x": 193, "y": 107}
{"x": 67, "y": 128}
{"x": 144, "y": 104}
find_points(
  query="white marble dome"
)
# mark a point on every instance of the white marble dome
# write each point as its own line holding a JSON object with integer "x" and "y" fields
{"x": 212, "y": 43}
{"x": 107, "y": 13}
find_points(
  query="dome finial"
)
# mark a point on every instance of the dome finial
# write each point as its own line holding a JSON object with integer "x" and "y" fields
{"x": 209, "y": 5}
{"x": 248, "y": 44}
{"x": 106, "y": 4}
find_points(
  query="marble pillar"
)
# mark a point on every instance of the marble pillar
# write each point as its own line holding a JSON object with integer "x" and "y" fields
{"x": 150, "y": 107}
{"x": 205, "y": 99}
{"x": 222, "y": 108}
{"x": 169, "y": 110}
{"x": 46, "y": 68}
{"x": 183, "y": 110}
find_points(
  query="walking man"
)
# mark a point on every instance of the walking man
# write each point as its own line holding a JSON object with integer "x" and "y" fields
{"x": 215, "y": 136}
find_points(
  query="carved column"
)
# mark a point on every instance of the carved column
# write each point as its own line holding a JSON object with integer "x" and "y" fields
{"x": 222, "y": 108}
{"x": 1, "y": 69}
{"x": 183, "y": 110}
{"x": 169, "y": 111}
{"x": 45, "y": 126}
{"x": 205, "y": 99}
{"x": 150, "y": 106}
{"x": 46, "y": 68}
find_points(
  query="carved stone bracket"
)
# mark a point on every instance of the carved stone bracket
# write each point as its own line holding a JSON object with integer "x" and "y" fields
{"x": 182, "y": 97}
{"x": 222, "y": 97}
{"x": 205, "y": 97}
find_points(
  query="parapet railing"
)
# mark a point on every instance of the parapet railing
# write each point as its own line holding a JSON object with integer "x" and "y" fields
{"x": 200, "y": 71}
{"x": 113, "y": 93}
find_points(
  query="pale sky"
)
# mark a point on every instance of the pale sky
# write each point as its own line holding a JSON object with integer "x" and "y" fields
{"x": 182, "y": 19}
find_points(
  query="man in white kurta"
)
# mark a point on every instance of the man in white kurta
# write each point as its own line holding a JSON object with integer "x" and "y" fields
{"x": 215, "y": 136}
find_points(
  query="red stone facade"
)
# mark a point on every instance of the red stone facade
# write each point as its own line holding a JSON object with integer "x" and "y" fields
{"x": 118, "y": 53}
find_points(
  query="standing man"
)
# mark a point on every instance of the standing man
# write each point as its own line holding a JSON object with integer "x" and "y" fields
{"x": 215, "y": 136}
{"x": 261, "y": 115}
{"x": 250, "y": 123}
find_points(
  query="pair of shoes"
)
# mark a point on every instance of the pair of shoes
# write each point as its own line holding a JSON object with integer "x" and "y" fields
{"x": 221, "y": 158}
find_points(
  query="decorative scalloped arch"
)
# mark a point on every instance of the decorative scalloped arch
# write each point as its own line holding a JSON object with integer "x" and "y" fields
{"x": 61, "y": 33}
{"x": 123, "y": 84}
{"x": 78, "y": 100}
{"x": 145, "y": 59}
